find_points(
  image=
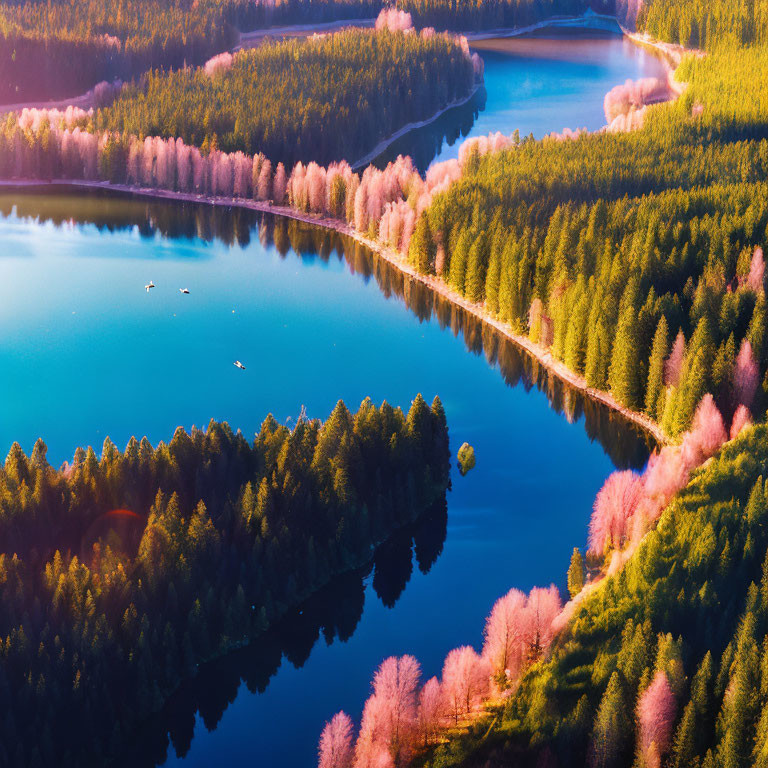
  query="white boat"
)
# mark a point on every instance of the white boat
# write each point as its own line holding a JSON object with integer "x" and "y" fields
{"x": 239, "y": 365}
{"x": 183, "y": 290}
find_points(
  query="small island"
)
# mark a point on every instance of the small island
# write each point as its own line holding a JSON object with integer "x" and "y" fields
{"x": 466, "y": 457}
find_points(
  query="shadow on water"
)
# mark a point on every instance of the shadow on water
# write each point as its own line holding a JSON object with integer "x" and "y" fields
{"x": 331, "y": 615}
{"x": 625, "y": 443}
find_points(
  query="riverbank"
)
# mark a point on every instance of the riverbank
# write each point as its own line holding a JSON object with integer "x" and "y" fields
{"x": 536, "y": 351}
{"x": 256, "y": 37}
{"x": 408, "y": 127}
{"x": 588, "y": 21}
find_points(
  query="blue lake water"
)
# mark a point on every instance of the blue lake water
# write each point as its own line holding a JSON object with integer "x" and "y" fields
{"x": 85, "y": 352}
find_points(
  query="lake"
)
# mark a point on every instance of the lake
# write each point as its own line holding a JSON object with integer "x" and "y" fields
{"x": 86, "y": 352}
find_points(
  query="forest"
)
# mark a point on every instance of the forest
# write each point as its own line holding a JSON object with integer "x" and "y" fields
{"x": 494, "y": 14}
{"x": 633, "y": 257}
{"x": 59, "y": 49}
{"x": 322, "y": 100}
{"x": 124, "y": 572}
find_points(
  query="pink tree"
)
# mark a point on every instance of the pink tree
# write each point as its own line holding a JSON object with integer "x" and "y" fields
{"x": 505, "y": 629}
{"x": 746, "y": 375}
{"x": 613, "y": 509}
{"x": 756, "y": 277}
{"x": 279, "y": 185}
{"x": 335, "y": 748}
{"x": 706, "y": 435}
{"x": 430, "y": 711}
{"x": 674, "y": 363}
{"x": 264, "y": 184}
{"x": 465, "y": 680}
{"x": 542, "y": 608}
{"x": 741, "y": 419}
{"x": 655, "y": 716}
{"x": 371, "y": 742}
{"x": 664, "y": 476}
{"x": 390, "y": 715}
{"x": 396, "y": 683}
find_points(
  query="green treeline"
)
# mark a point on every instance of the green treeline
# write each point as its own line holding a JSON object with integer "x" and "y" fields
{"x": 692, "y": 603}
{"x": 119, "y": 574}
{"x": 61, "y": 48}
{"x": 491, "y": 14}
{"x": 705, "y": 23}
{"x": 604, "y": 248}
{"x": 322, "y": 100}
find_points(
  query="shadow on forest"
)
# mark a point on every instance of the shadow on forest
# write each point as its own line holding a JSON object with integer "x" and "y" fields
{"x": 625, "y": 443}
{"x": 332, "y": 614}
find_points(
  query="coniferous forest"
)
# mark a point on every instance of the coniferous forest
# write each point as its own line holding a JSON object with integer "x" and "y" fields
{"x": 317, "y": 100}
{"x": 63, "y": 48}
{"x": 119, "y": 574}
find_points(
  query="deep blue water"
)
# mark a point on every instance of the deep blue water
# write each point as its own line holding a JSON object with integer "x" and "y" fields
{"x": 85, "y": 352}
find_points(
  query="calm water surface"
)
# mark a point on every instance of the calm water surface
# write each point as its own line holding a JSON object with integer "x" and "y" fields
{"x": 85, "y": 352}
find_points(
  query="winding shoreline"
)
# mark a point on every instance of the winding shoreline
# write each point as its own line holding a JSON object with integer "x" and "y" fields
{"x": 408, "y": 127}
{"x": 536, "y": 351}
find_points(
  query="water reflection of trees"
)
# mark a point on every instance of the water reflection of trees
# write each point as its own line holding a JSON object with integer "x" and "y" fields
{"x": 426, "y": 143}
{"x": 332, "y": 614}
{"x": 625, "y": 443}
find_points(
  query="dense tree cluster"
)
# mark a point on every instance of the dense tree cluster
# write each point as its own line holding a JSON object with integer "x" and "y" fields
{"x": 320, "y": 99}
{"x": 493, "y": 14}
{"x": 61, "y": 48}
{"x": 618, "y": 252}
{"x": 705, "y": 23}
{"x": 119, "y": 574}
{"x": 665, "y": 662}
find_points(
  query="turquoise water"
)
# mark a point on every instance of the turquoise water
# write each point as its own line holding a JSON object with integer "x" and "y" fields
{"x": 86, "y": 352}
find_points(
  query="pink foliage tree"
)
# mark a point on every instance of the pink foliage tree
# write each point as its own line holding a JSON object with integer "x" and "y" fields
{"x": 746, "y": 375}
{"x": 393, "y": 20}
{"x": 656, "y": 711}
{"x": 613, "y": 510}
{"x": 466, "y": 680}
{"x": 388, "y": 728}
{"x": 505, "y": 630}
{"x": 430, "y": 710}
{"x": 335, "y": 748}
{"x": 633, "y": 95}
{"x": 741, "y": 419}
{"x": 218, "y": 64}
{"x": 756, "y": 277}
{"x": 542, "y": 608}
{"x": 674, "y": 363}
{"x": 706, "y": 435}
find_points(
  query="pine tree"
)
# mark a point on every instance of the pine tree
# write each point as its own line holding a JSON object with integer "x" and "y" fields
{"x": 421, "y": 251}
{"x": 576, "y": 573}
{"x": 625, "y": 360}
{"x": 459, "y": 257}
{"x": 656, "y": 368}
{"x": 476, "y": 266}
{"x": 611, "y": 729}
